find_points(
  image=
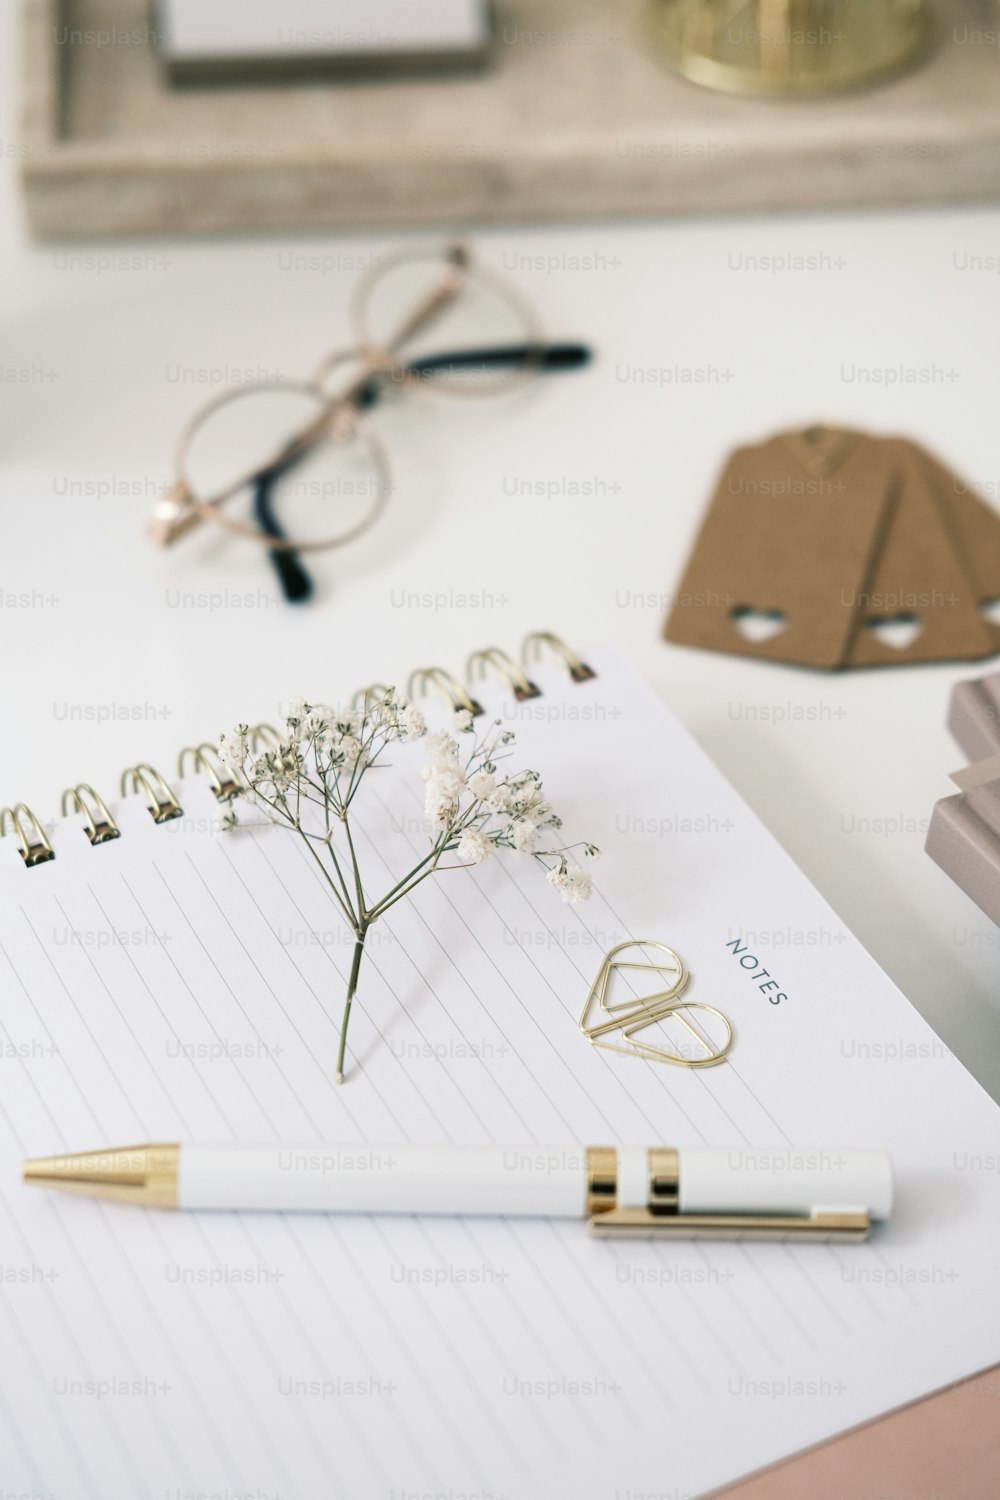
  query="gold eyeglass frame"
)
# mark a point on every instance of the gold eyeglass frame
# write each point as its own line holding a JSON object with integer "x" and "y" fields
{"x": 337, "y": 414}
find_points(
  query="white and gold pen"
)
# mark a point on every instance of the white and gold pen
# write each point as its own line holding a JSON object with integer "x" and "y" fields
{"x": 690, "y": 1192}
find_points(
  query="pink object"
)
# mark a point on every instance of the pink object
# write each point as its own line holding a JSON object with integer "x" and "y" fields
{"x": 946, "y": 1447}
{"x": 964, "y": 833}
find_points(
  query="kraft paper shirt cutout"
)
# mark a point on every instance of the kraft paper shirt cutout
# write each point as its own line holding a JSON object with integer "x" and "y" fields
{"x": 837, "y": 541}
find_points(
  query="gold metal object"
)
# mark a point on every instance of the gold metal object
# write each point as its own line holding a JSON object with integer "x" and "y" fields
{"x": 31, "y": 836}
{"x": 789, "y": 48}
{"x": 176, "y": 512}
{"x": 266, "y": 735}
{"x": 207, "y": 759}
{"x": 98, "y": 824}
{"x": 462, "y": 267}
{"x": 533, "y": 646}
{"x": 664, "y": 1180}
{"x": 338, "y": 415}
{"x": 365, "y": 697}
{"x": 450, "y": 688}
{"x": 142, "y": 1175}
{"x": 641, "y": 1224}
{"x": 506, "y": 669}
{"x": 148, "y": 1177}
{"x": 602, "y": 1180}
{"x": 627, "y": 1019}
{"x": 173, "y": 515}
{"x": 160, "y": 799}
{"x": 661, "y": 1218}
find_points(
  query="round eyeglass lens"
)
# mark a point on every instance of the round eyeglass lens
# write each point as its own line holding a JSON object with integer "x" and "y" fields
{"x": 444, "y": 320}
{"x": 281, "y": 464}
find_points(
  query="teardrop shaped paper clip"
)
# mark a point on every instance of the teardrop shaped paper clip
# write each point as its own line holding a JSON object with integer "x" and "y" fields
{"x": 615, "y": 1026}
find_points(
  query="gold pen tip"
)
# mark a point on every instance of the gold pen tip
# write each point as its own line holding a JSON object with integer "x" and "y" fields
{"x": 39, "y": 1169}
{"x": 144, "y": 1175}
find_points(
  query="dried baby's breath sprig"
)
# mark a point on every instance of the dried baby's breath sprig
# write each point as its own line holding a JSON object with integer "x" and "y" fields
{"x": 309, "y": 781}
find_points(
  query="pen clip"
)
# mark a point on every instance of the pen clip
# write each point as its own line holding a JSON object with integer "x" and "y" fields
{"x": 827, "y": 1225}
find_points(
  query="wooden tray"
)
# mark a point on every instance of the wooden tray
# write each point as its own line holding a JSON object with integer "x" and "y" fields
{"x": 576, "y": 117}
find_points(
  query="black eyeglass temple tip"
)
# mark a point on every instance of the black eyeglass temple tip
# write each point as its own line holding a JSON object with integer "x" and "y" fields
{"x": 296, "y": 584}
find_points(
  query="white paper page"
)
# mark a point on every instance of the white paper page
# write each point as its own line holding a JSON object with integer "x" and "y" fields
{"x": 248, "y": 28}
{"x": 179, "y": 984}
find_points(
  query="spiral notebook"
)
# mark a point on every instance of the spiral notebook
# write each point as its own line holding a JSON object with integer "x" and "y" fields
{"x": 172, "y": 982}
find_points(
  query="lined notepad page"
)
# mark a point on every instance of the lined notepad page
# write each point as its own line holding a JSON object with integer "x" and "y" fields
{"x": 181, "y": 984}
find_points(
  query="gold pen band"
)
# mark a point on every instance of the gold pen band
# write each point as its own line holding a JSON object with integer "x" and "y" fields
{"x": 662, "y": 1180}
{"x": 602, "y": 1180}
{"x": 661, "y": 1217}
{"x": 664, "y": 1190}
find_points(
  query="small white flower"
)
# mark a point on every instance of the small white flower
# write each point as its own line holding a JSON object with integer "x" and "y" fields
{"x": 347, "y": 749}
{"x": 318, "y": 720}
{"x": 233, "y": 747}
{"x": 295, "y": 716}
{"x": 397, "y": 718}
{"x": 412, "y": 723}
{"x": 439, "y": 807}
{"x": 474, "y": 846}
{"x": 344, "y": 722}
{"x": 441, "y": 748}
{"x": 462, "y": 721}
{"x": 447, "y": 778}
{"x": 523, "y": 835}
{"x": 529, "y": 803}
{"x": 577, "y": 886}
{"x": 482, "y": 785}
{"x": 445, "y": 785}
{"x": 558, "y": 875}
{"x": 500, "y": 801}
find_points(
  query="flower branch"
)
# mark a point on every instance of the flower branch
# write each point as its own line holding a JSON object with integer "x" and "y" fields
{"x": 474, "y": 810}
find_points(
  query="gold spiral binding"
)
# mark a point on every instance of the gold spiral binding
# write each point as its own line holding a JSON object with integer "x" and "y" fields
{"x": 363, "y": 697}
{"x": 506, "y": 669}
{"x": 98, "y": 824}
{"x": 451, "y": 689}
{"x": 264, "y": 735}
{"x": 577, "y": 668}
{"x": 162, "y": 803}
{"x": 208, "y": 760}
{"x": 34, "y": 841}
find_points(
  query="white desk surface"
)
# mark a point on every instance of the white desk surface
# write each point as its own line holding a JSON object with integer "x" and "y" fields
{"x": 847, "y": 778}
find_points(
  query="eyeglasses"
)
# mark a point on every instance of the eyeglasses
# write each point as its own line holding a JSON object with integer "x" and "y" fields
{"x": 313, "y": 472}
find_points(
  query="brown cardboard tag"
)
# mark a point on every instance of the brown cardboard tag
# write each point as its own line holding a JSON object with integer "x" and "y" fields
{"x": 787, "y": 549}
{"x": 977, "y": 528}
{"x": 921, "y": 603}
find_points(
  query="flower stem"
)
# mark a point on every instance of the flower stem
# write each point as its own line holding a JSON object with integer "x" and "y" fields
{"x": 352, "y": 986}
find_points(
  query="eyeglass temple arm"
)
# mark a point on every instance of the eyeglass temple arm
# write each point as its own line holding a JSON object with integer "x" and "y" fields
{"x": 426, "y": 311}
{"x": 295, "y": 582}
{"x": 543, "y": 359}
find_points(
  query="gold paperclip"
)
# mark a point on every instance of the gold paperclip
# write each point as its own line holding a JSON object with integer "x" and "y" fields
{"x": 627, "y": 1018}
